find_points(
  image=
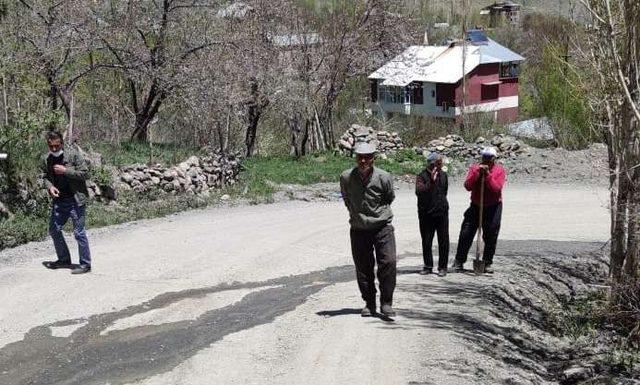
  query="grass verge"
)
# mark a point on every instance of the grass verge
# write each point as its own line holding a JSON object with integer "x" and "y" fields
{"x": 258, "y": 182}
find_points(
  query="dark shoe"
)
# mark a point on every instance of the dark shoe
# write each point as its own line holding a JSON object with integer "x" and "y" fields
{"x": 81, "y": 269}
{"x": 56, "y": 265}
{"x": 366, "y": 312}
{"x": 442, "y": 273}
{"x": 425, "y": 271}
{"x": 387, "y": 310}
{"x": 458, "y": 267}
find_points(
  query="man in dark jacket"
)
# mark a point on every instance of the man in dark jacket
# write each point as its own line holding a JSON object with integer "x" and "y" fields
{"x": 433, "y": 213}
{"x": 64, "y": 173}
{"x": 494, "y": 176}
{"x": 368, "y": 192}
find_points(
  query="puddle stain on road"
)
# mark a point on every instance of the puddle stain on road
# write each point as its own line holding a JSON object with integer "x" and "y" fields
{"x": 124, "y": 356}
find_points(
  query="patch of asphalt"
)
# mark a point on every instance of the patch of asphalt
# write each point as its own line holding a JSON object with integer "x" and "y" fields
{"x": 124, "y": 356}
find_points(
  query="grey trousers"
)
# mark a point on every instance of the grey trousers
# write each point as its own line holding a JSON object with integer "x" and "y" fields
{"x": 363, "y": 245}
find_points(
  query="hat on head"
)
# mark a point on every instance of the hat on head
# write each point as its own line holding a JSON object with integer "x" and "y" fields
{"x": 364, "y": 148}
{"x": 489, "y": 152}
{"x": 432, "y": 157}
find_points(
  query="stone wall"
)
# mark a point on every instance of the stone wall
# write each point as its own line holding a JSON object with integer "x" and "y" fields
{"x": 454, "y": 146}
{"x": 196, "y": 175}
{"x": 384, "y": 141}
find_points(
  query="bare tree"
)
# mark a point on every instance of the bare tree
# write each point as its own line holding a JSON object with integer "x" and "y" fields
{"x": 614, "y": 52}
{"x": 150, "y": 43}
{"x": 326, "y": 48}
{"x": 54, "y": 38}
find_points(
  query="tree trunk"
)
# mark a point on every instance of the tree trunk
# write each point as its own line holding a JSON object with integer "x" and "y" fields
{"x": 299, "y": 135}
{"x": 252, "y": 130}
{"x": 619, "y": 232}
{"x": 53, "y": 94}
{"x": 633, "y": 240}
{"x": 4, "y": 100}
{"x": 255, "y": 106}
{"x": 140, "y": 131}
{"x": 223, "y": 133}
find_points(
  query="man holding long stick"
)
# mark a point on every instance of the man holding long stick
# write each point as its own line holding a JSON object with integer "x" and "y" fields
{"x": 493, "y": 175}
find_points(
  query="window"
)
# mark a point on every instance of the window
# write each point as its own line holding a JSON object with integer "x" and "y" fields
{"x": 389, "y": 94}
{"x": 509, "y": 70}
{"x": 415, "y": 91}
{"x": 489, "y": 92}
{"x": 374, "y": 90}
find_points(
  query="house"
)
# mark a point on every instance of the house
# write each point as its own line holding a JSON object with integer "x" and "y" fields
{"x": 428, "y": 81}
{"x": 498, "y": 13}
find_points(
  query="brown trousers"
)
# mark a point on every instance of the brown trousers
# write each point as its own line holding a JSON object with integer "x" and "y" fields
{"x": 363, "y": 245}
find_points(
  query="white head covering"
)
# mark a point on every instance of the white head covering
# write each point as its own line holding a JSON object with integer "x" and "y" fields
{"x": 364, "y": 148}
{"x": 489, "y": 152}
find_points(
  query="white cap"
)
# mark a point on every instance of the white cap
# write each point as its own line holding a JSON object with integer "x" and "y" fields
{"x": 489, "y": 151}
{"x": 364, "y": 148}
{"x": 3, "y": 156}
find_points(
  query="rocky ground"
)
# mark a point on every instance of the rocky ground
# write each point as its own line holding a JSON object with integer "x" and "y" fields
{"x": 531, "y": 167}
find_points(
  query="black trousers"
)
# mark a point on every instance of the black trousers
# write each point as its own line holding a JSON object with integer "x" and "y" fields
{"x": 363, "y": 245}
{"x": 491, "y": 217}
{"x": 430, "y": 225}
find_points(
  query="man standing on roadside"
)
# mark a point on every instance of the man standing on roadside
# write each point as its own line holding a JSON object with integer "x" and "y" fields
{"x": 368, "y": 193}
{"x": 494, "y": 176}
{"x": 64, "y": 173}
{"x": 433, "y": 213}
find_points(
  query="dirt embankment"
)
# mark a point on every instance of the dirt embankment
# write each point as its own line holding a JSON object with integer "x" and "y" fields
{"x": 536, "y": 165}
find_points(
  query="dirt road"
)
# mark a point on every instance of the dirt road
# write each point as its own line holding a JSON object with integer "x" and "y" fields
{"x": 266, "y": 294}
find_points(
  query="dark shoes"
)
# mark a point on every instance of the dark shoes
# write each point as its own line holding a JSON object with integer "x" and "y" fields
{"x": 81, "y": 269}
{"x": 425, "y": 271}
{"x": 369, "y": 310}
{"x": 387, "y": 310}
{"x": 442, "y": 273}
{"x": 457, "y": 267}
{"x": 57, "y": 265}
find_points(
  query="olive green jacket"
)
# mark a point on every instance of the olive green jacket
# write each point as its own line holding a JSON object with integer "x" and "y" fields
{"x": 77, "y": 174}
{"x": 369, "y": 205}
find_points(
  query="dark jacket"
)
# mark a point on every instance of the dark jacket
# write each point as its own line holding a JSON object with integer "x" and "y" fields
{"x": 76, "y": 174}
{"x": 432, "y": 195}
{"x": 369, "y": 203}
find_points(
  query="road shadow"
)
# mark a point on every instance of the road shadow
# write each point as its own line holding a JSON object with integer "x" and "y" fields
{"x": 339, "y": 312}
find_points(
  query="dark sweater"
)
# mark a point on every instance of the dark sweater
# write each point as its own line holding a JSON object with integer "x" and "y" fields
{"x": 59, "y": 181}
{"x": 432, "y": 195}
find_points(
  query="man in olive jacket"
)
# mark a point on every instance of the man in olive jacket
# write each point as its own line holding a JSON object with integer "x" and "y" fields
{"x": 64, "y": 174}
{"x": 368, "y": 193}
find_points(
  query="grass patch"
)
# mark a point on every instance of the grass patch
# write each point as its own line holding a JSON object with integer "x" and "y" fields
{"x": 24, "y": 228}
{"x": 581, "y": 317}
{"x": 258, "y": 183}
{"x": 587, "y": 320}
{"x": 262, "y": 174}
{"x": 128, "y": 153}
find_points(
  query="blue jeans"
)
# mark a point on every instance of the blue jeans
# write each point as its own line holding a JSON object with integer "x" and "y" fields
{"x": 62, "y": 210}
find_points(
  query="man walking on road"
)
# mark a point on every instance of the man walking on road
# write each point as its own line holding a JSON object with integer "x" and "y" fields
{"x": 368, "y": 193}
{"x": 494, "y": 176}
{"x": 64, "y": 173}
{"x": 433, "y": 213}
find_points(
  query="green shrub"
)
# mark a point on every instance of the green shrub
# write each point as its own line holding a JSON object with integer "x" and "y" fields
{"x": 102, "y": 175}
{"x": 131, "y": 152}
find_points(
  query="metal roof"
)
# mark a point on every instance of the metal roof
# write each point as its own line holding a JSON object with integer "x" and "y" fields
{"x": 440, "y": 64}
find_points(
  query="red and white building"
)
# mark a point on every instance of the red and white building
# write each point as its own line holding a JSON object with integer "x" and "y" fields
{"x": 428, "y": 81}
